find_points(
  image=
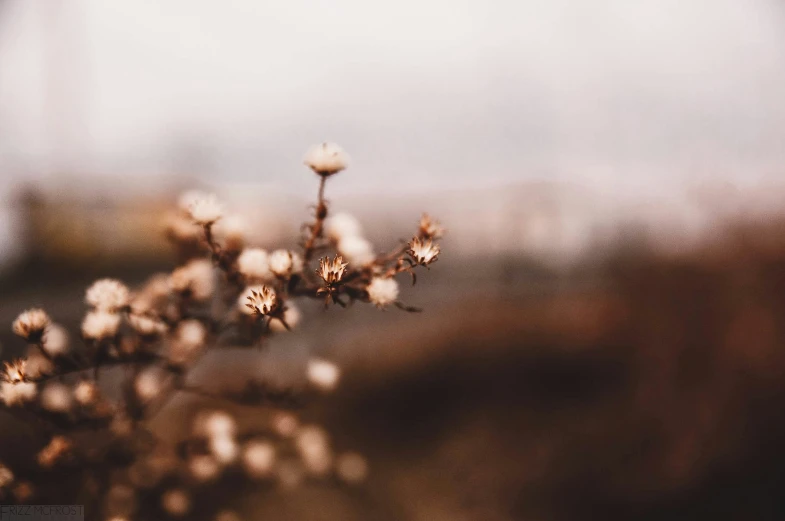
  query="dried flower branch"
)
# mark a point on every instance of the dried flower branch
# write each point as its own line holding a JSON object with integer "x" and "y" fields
{"x": 224, "y": 293}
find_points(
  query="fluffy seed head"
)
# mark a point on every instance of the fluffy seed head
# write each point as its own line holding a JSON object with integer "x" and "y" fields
{"x": 322, "y": 374}
{"x": 262, "y": 300}
{"x": 55, "y": 341}
{"x": 189, "y": 338}
{"x": 326, "y": 159}
{"x": 56, "y": 397}
{"x": 232, "y": 230}
{"x": 351, "y": 467}
{"x": 314, "y": 449}
{"x": 430, "y": 228}
{"x": 342, "y": 225}
{"x": 107, "y": 295}
{"x": 285, "y": 424}
{"x": 331, "y": 271}
{"x": 382, "y": 292}
{"x": 148, "y": 384}
{"x": 205, "y": 210}
{"x": 86, "y": 393}
{"x": 18, "y": 393}
{"x": 204, "y": 467}
{"x": 254, "y": 264}
{"x": 176, "y": 502}
{"x": 423, "y": 251}
{"x": 147, "y": 326}
{"x": 188, "y": 198}
{"x": 98, "y": 325}
{"x": 55, "y": 451}
{"x": 258, "y": 458}
{"x": 31, "y": 324}
{"x": 356, "y": 250}
{"x": 6, "y": 476}
{"x": 224, "y": 448}
{"x": 283, "y": 263}
{"x": 291, "y": 316}
{"x": 212, "y": 424}
{"x": 194, "y": 279}
{"x": 15, "y": 371}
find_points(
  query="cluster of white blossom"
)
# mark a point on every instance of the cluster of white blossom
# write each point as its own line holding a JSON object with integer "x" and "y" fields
{"x": 224, "y": 292}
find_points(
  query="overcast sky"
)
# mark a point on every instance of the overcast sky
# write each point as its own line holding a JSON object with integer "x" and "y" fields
{"x": 421, "y": 92}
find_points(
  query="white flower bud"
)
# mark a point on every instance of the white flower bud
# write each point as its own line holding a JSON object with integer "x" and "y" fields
{"x": 382, "y": 292}
{"x": 107, "y": 295}
{"x": 292, "y": 316}
{"x": 258, "y": 458}
{"x": 56, "y": 397}
{"x": 323, "y": 374}
{"x": 98, "y": 325}
{"x": 326, "y": 159}
{"x": 341, "y": 225}
{"x": 176, "y": 502}
{"x": 357, "y": 251}
{"x": 254, "y": 264}
{"x": 31, "y": 324}
{"x": 205, "y": 210}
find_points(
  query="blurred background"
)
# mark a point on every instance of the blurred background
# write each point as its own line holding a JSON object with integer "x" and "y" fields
{"x": 603, "y": 334}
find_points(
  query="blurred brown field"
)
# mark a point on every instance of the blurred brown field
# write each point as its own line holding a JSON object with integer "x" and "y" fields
{"x": 637, "y": 384}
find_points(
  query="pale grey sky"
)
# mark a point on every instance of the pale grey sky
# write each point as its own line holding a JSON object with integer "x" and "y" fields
{"x": 422, "y": 93}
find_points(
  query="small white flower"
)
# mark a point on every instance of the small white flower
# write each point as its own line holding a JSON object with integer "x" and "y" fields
{"x": 37, "y": 365}
{"x": 382, "y": 292}
{"x": 18, "y": 393}
{"x": 188, "y": 198}
{"x": 148, "y": 384}
{"x": 86, "y": 393}
{"x": 176, "y": 502}
{"x": 15, "y": 371}
{"x": 153, "y": 296}
{"x": 351, "y": 467}
{"x": 261, "y": 301}
{"x": 180, "y": 228}
{"x": 195, "y": 279}
{"x": 291, "y": 316}
{"x": 191, "y": 332}
{"x": 107, "y": 295}
{"x": 147, "y": 326}
{"x": 204, "y": 467}
{"x": 331, "y": 271}
{"x": 232, "y": 230}
{"x": 189, "y": 338}
{"x": 285, "y": 424}
{"x": 31, "y": 324}
{"x": 56, "y": 340}
{"x": 205, "y": 210}
{"x": 326, "y": 159}
{"x": 6, "y": 476}
{"x": 357, "y": 251}
{"x": 341, "y": 225}
{"x": 57, "y": 448}
{"x": 314, "y": 449}
{"x": 283, "y": 263}
{"x": 212, "y": 424}
{"x": 224, "y": 448}
{"x": 430, "y": 228}
{"x": 258, "y": 458}
{"x": 98, "y": 325}
{"x": 56, "y": 397}
{"x": 323, "y": 374}
{"x": 423, "y": 252}
{"x": 254, "y": 264}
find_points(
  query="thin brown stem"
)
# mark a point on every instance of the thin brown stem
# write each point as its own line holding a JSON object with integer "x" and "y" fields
{"x": 318, "y": 226}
